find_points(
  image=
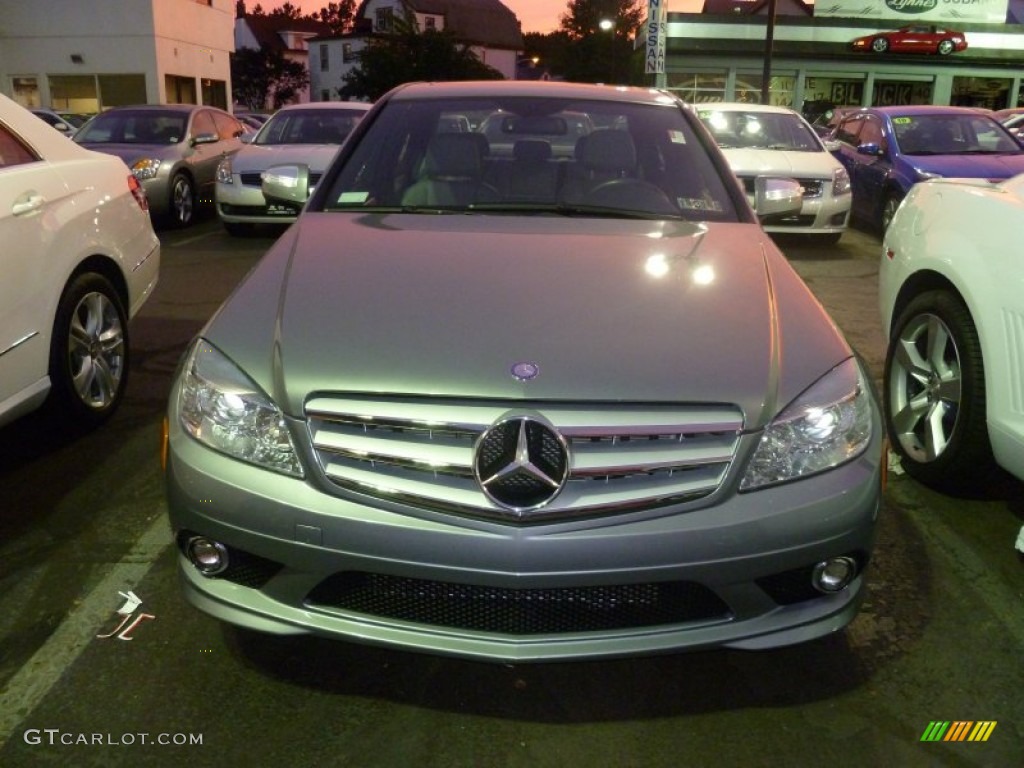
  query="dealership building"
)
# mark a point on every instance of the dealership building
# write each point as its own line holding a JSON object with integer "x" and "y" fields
{"x": 721, "y": 53}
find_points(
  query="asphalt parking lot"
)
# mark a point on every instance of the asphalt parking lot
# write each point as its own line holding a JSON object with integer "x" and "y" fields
{"x": 940, "y": 638}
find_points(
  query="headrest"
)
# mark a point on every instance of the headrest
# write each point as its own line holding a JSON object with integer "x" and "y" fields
{"x": 532, "y": 150}
{"x": 609, "y": 150}
{"x": 456, "y": 155}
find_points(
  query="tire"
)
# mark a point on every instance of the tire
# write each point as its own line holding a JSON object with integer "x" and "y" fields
{"x": 889, "y": 207}
{"x": 89, "y": 351}
{"x": 831, "y": 238}
{"x": 945, "y": 47}
{"x": 237, "y": 230}
{"x": 934, "y": 394}
{"x": 879, "y": 45}
{"x": 183, "y": 201}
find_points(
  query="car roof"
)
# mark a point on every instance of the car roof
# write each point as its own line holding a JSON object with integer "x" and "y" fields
{"x": 736, "y": 106}
{"x": 530, "y": 88}
{"x": 328, "y": 106}
{"x": 184, "y": 108}
{"x": 912, "y": 110}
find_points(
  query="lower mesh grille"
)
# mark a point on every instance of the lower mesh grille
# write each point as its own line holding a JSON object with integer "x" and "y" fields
{"x": 519, "y": 611}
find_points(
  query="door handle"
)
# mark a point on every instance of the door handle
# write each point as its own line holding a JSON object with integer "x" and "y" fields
{"x": 28, "y": 203}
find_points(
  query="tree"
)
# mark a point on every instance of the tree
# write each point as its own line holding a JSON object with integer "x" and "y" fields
{"x": 338, "y": 16}
{"x": 407, "y": 55}
{"x": 600, "y": 32}
{"x": 262, "y": 76}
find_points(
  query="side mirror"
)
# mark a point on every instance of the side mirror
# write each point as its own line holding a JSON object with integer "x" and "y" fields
{"x": 775, "y": 197}
{"x": 874, "y": 150}
{"x": 286, "y": 184}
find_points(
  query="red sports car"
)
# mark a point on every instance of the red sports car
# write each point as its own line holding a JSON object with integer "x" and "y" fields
{"x": 916, "y": 38}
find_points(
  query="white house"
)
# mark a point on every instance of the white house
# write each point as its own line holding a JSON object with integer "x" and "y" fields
{"x": 92, "y": 54}
{"x": 289, "y": 36}
{"x": 488, "y": 27}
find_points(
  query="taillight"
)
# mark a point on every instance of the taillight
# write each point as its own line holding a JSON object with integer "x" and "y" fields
{"x": 138, "y": 193}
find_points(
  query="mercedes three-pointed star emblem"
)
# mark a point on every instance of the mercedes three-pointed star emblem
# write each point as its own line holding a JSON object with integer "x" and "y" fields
{"x": 521, "y": 463}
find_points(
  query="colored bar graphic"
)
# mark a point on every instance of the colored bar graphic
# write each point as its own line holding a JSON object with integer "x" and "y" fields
{"x": 935, "y": 731}
{"x": 958, "y": 730}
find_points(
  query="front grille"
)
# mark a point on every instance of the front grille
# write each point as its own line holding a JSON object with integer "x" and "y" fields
{"x": 255, "y": 179}
{"x": 518, "y": 611}
{"x": 813, "y": 188}
{"x": 420, "y": 452}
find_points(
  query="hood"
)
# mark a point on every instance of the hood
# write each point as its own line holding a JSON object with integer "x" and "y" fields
{"x": 258, "y": 157}
{"x": 969, "y": 166}
{"x": 610, "y": 310}
{"x": 751, "y": 162}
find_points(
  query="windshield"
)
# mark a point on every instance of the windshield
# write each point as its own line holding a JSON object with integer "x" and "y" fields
{"x": 531, "y": 155}
{"x": 148, "y": 127}
{"x": 309, "y": 126}
{"x": 952, "y": 134}
{"x": 760, "y": 130}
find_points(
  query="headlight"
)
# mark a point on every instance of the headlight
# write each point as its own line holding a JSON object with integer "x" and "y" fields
{"x": 224, "y": 172}
{"x": 829, "y": 424}
{"x": 840, "y": 182}
{"x": 146, "y": 168}
{"x": 221, "y": 407}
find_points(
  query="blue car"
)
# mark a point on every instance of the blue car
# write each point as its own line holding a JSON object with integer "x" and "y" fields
{"x": 886, "y": 150}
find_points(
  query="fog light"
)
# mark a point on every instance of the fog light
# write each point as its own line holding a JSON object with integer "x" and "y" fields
{"x": 834, "y": 574}
{"x": 208, "y": 556}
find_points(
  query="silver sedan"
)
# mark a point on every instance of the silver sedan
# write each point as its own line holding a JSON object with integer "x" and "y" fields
{"x": 298, "y": 133}
{"x": 521, "y": 407}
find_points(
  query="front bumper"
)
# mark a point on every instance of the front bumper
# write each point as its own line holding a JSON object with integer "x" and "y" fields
{"x": 732, "y": 561}
{"x": 240, "y": 203}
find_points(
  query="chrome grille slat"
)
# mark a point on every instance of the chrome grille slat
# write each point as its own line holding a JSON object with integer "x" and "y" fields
{"x": 621, "y": 457}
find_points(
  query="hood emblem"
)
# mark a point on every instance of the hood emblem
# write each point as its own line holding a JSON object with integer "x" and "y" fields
{"x": 521, "y": 463}
{"x": 525, "y": 371}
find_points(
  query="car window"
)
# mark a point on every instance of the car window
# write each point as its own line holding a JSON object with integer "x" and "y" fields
{"x": 12, "y": 150}
{"x": 949, "y": 133}
{"x": 227, "y": 127}
{"x": 849, "y": 129}
{"x": 202, "y": 123}
{"x": 133, "y": 127}
{"x": 762, "y": 130}
{"x": 309, "y": 126}
{"x": 532, "y": 152}
{"x": 871, "y": 132}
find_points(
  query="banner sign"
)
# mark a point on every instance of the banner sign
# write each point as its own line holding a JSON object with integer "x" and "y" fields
{"x": 657, "y": 31}
{"x": 917, "y": 11}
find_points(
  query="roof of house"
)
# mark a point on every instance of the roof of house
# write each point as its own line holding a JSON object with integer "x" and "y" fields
{"x": 479, "y": 22}
{"x": 268, "y": 29}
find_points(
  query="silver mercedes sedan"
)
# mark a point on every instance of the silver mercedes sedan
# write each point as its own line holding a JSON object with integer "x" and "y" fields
{"x": 502, "y": 402}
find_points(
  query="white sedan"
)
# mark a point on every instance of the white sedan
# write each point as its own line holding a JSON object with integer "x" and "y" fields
{"x": 953, "y": 311}
{"x": 79, "y": 259}
{"x": 763, "y": 140}
{"x": 298, "y": 133}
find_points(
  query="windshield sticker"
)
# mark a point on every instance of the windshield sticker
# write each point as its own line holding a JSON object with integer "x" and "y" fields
{"x": 676, "y": 137}
{"x": 353, "y": 198}
{"x": 698, "y": 204}
{"x": 902, "y": 120}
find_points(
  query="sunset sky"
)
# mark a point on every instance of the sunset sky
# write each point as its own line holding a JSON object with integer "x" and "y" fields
{"x": 534, "y": 15}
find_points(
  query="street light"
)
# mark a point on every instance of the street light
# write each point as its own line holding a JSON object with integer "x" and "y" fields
{"x": 608, "y": 25}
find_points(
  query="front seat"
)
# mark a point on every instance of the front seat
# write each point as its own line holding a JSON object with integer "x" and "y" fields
{"x": 451, "y": 174}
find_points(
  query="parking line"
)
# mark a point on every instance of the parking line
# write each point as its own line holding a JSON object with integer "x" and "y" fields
{"x": 40, "y": 673}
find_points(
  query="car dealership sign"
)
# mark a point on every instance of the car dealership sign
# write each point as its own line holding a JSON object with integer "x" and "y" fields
{"x": 952, "y": 11}
{"x": 657, "y": 29}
